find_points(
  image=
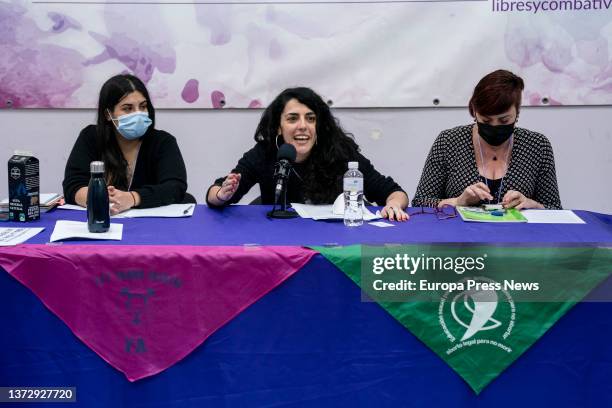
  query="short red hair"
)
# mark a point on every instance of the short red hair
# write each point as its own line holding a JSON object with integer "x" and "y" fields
{"x": 496, "y": 92}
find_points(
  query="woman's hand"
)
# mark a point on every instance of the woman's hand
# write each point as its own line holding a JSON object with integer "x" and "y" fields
{"x": 516, "y": 199}
{"x": 394, "y": 210}
{"x": 471, "y": 195}
{"x": 81, "y": 196}
{"x": 220, "y": 195}
{"x": 121, "y": 200}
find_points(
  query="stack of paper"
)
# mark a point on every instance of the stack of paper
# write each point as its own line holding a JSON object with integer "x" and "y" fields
{"x": 333, "y": 211}
{"x": 49, "y": 201}
{"x": 326, "y": 212}
{"x": 166, "y": 211}
{"x": 552, "y": 217}
{"x": 14, "y": 236}
{"x": 71, "y": 207}
{"x": 46, "y": 200}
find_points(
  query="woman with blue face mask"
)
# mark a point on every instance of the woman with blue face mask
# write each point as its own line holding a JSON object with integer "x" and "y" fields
{"x": 143, "y": 166}
{"x": 491, "y": 161}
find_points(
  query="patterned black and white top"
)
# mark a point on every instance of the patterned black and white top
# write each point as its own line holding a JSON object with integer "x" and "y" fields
{"x": 451, "y": 167}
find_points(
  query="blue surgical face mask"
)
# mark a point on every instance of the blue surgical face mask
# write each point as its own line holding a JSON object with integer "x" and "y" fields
{"x": 133, "y": 125}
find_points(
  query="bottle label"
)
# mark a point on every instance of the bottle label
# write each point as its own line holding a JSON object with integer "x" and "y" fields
{"x": 353, "y": 184}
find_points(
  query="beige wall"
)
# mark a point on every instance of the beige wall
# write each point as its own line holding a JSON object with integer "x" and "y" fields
{"x": 396, "y": 140}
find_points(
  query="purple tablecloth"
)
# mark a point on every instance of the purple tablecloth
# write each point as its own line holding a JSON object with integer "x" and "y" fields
{"x": 239, "y": 225}
{"x": 312, "y": 342}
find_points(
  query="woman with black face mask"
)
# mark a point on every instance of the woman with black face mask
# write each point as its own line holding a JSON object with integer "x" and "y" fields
{"x": 491, "y": 161}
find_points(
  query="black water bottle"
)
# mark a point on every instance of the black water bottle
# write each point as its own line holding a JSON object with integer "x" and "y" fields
{"x": 98, "y": 212}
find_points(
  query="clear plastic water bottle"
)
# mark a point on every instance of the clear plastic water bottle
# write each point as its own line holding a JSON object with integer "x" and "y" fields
{"x": 353, "y": 196}
{"x": 98, "y": 211}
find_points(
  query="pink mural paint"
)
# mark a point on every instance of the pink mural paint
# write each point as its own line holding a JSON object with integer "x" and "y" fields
{"x": 218, "y": 99}
{"x": 557, "y": 57}
{"x": 217, "y": 18}
{"x": 230, "y": 97}
{"x": 141, "y": 58}
{"x": 536, "y": 99}
{"x": 594, "y": 52}
{"x": 142, "y": 48}
{"x": 34, "y": 73}
{"x": 255, "y": 103}
{"x": 62, "y": 23}
{"x": 563, "y": 59}
{"x": 317, "y": 25}
{"x": 276, "y": 50}
{"x": 522, "y": 50}
{"x": 190, "y": 92}
{"x": 605, "y": 87}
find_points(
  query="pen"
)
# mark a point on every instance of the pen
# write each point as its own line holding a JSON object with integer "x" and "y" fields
{"x": 187, "y": 209}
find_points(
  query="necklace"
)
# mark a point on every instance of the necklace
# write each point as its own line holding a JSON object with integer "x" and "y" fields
{"x": 482, "y": 161}
{"x": 131, "y": 168}
{"x": 297, "y": 174}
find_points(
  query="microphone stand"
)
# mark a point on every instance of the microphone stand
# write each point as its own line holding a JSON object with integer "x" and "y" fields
{"x": 282, "y": 212}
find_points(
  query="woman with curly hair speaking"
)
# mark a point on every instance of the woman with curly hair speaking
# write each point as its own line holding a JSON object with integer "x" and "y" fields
{"x": 298, "y": 116}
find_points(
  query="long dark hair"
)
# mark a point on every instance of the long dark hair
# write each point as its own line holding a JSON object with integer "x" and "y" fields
{"x": 329, "y": 156}
{"x": 113, "y": 91}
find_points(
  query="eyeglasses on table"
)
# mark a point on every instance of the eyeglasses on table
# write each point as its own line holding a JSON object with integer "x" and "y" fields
{"x": 442, "y": 213}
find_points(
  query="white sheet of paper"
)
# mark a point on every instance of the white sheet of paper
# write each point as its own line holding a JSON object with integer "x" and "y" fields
{"x": 552, "y": 217}
{"x": 75, "y": 229}
{"x": 166, "y": 211}
{"x": 14, "y": 236}
{"x": 172, "y": 210}
{"x": 381, "y": 224}
{"x": 71, "y": 207}
{"x": 325, "y": 212}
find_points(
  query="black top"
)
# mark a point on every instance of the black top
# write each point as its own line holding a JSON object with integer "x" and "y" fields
{"x": 257, "y": 167}
{"x": 494, "y": 186}
{"x": 160, "y": 177}
{"x": 451, "y": 167}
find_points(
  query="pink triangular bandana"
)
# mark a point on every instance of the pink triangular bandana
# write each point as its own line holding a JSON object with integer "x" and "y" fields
{"x": 144, "y": 308}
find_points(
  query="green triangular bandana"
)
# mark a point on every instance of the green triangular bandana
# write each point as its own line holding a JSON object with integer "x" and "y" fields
{"x": 480, "y": 307}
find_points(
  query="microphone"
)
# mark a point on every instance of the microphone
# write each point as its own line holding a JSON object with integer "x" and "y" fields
{"x": 284, "y": 161}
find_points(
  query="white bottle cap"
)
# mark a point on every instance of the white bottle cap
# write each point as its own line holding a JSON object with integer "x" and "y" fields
{"x": 353, "y": 165}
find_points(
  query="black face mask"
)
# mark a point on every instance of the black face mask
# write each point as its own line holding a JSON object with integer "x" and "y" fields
{"x": 495, "y": 135}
